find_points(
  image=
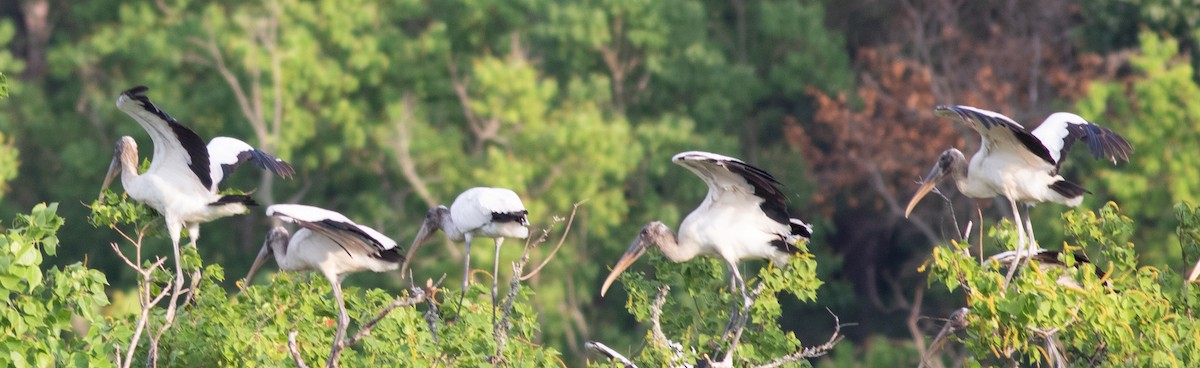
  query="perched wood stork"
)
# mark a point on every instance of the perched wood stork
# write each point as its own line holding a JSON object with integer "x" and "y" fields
{"x": 184, "y": 174}
{"x": 1050, "y": 258}
{"x": 477, "y": 213}
{"x": 1020, "y": 164}
{"x": 327, "y": 242}
{"x": 744, "y": 216}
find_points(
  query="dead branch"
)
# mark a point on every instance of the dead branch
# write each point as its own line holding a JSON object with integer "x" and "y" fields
{"x": 956, "y": 322}
{"x": 567, "y": 230}
{"x": 609, "y": 352}
{"x": 402, "y": 152}
{"x": 500, "y": 329}
{"x": 418, "y": 296}
{"x": 145, "y": 299}
{"x": 814, "y": 351}
{"x": 484, "y": 130}
{"x": 657, "y": 337}
{"x": 295, "y": 349}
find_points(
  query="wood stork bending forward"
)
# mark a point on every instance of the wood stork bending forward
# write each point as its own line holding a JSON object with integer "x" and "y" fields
{"x": 327, "y": 242}
{"x": 478, "y": 212}
{"x": 744, "y": 216}
{"x": 184, "y": 174}
{"x": 1020, "y": 164}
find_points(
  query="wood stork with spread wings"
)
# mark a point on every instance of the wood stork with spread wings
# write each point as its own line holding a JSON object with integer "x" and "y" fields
{"x": 480, "y": 212}
{"x": 184, "y": 174}
{"x": 1020, "y": 164}
{"x": 744, "y": 216}
{"x": 327, "y": 242}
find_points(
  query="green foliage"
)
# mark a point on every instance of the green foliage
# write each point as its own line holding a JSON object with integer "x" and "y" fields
{"x": 1157, "y": 115}
{"x": 251, "y": 328}
{"x": 39, "y": 305}
{"x": 1112, "y": 311}
{"x": 696, "y": 314}
{"x": 112, "y": 209}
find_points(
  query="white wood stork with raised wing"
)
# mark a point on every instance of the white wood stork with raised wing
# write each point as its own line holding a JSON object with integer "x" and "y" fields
{"x": 184, "y": 174}
{"x": 327, "y": 242}
{"x": 1020, "y": 164}
{"x": 744, "y": 216}
{"x": 477, "y": 213}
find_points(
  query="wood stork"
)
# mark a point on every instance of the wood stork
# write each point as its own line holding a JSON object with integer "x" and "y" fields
{"x": 327, "y": 242}
{"x": 478, "y": 212}
{"x": 184, "y": 174}
{"x": 1020, "y": 164}
{"x": 744, "y": 216}
{"x": 1050, "y": 258}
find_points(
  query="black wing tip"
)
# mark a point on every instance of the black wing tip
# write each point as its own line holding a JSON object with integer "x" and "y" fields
{"x": 235, "y": 198}
{"x": 520, "y": 217}
{"x": 389, "y": 255}
{"x": 276, "y": 165}
{"x": 1068, "y": 189}
{"x": 137, "y": 91}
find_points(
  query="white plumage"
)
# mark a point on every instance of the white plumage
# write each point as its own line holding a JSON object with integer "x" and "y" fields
{"x": 327, "y": 242}
{"x": 478, "y": 212}
{"x": 743, "y": 216}
{"x": 182, "y": 181}
{"x": 1019, "y": 164}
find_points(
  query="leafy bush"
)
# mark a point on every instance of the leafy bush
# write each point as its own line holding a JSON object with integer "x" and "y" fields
{"x": 39, "y": 306}
{"x": 1116, "y": 313}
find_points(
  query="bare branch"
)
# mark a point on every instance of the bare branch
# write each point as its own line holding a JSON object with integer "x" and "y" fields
{"x": 418, "y": 296}
{"x": 956, "y": 322}
{"x": 295, "y": 350}
{"x": 656, "y": 333}
{"x": 144, "y": 299}
{"x": 567, "y": 230}
{"x": 814, "y": 351}
{"x": 403, "y": 156}
{"x": 609, "y": 352}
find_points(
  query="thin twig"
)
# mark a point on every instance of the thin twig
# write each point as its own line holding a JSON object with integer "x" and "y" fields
{"x": 418, "y": 296}
{"x": 956, "y": 322}
{"x": 295, "y": 349}
{"x": 567, "y": 230}
{"x": 812, "y": 352}
{"x": 144, "y": 299}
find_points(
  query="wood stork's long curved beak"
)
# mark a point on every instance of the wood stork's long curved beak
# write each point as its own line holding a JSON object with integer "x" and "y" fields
{"x": 428, "y": 227}
{"x": 927, "y": 184}
{"x": 277, "y": 235}
{"x": 258, "y": 262}
{"x": 113, "y": 169}
{"x": 635, "y": 250}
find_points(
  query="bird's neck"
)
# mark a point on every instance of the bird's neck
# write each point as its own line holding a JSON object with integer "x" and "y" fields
{"x": 677, "y": 251}
{"x": 451, "y": 228}
{"x": 129, "y": 170}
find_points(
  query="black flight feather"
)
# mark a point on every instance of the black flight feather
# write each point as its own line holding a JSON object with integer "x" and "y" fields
{"x": 520, "y": 217}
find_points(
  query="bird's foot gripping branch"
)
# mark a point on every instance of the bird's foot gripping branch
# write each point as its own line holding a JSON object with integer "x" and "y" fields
{"x": 1091, "y": 304}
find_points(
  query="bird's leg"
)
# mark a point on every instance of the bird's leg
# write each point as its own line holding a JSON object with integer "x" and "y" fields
{"x": 174, "y": 228}
{"x": 741, "y": 283}
{"x": 1033, "y": 245}
{"x": 343, "y": 319}
{"x": 495, "y": 279}
{"x": 466, "y": 276}
{"x": 1012, "y": 269}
